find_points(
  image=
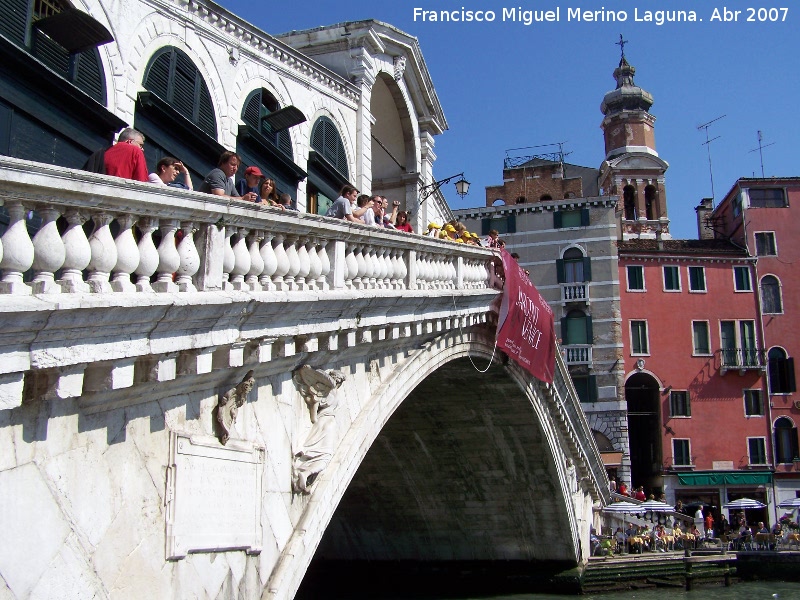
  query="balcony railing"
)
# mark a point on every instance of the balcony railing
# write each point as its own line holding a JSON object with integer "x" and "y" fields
{"x": 577, "y": 355}
{"x": 742, "y": 359}
{"x": 575, "y": 292}
{"x": 145, "y": 238}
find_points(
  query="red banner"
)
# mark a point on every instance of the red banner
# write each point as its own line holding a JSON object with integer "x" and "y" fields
{"x": 525, "y": 329}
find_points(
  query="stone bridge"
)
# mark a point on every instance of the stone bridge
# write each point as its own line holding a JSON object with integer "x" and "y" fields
{"x": 130, "y": 355}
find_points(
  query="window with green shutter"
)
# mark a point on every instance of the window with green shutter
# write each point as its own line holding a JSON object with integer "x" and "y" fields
{"x": 173, "y": 77}
{"x": 325, "y": 140}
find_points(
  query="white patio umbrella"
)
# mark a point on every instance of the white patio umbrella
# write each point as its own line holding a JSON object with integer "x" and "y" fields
{"x": 623, "y": 507}
{"x": 793, "y": 503}
{"x": 743, "y": 504}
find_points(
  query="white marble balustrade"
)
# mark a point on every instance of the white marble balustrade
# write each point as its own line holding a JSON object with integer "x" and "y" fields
{"x": 105, "y": 235}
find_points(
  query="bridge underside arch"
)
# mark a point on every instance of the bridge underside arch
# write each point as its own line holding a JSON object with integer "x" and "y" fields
{"x": 459, "y": 486}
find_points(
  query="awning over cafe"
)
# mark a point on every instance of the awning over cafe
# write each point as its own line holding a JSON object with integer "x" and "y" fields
{"x": 714, "y": 478}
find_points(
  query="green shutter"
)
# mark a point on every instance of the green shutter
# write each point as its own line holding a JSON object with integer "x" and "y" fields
{"x": 587, "y": 268}
{"x": 511, "y": 223}
{"x": 14, "y": 20}
{"x": 560, "y": 275}
{"x": 486, "y": 226}
{"x": 89, "y": 74}
{"x": 563, "y": 330}
{"x": 557, "y": 219}
{"x": 584, "y": 217}
{"x": 589, "y": 330}
{"x": 791, "y": 385}
{"x": 592, "y": 385}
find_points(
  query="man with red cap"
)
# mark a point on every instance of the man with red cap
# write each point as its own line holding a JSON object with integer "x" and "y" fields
{"x": 250, "y": 183}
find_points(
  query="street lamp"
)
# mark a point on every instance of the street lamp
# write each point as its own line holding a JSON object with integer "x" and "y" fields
{"x": 462, "y": 187}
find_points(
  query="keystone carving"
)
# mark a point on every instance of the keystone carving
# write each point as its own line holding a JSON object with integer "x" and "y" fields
{"x": 229, "y": 405}
{"x": 319, "y": 390}
{"x": 399, "y": 67}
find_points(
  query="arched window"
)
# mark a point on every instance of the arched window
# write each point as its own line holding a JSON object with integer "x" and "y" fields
{"x": 786, "y": 449}
{"x": 573, "y": 266}
{"x": 498, "y": 202}
{"x": 521, "y": 200}
{"x": 545, "y": 197}
{"x": 42, "y": 27}
{"x": 173, "y": 77}
{"x": 629, "y": 202}
{"x": 771, "y": 295}
{"x": 576, "y": 328}
{"x": 260, "y": 104}
{"x": 780, "y": 370}
{"x": 325, "y": 140}
{"x": 651, "y": 208}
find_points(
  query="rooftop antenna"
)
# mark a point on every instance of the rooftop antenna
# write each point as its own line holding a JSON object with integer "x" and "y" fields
{"x": 707, "y": 144}
{"x": 760, "y": 147}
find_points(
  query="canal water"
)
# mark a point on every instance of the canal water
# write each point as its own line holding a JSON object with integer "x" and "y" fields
{"x": 751, "y": 590}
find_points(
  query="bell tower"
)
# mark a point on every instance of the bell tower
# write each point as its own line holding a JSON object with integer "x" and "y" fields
{"x": 632, "y": 169}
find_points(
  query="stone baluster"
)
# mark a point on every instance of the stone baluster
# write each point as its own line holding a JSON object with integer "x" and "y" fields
{"x": 148, "y": 254}
{"x": 78, "y": 254}
{"x": 377, "y": 267}
{"x": 423, "y": 271}
{"x": 228, "y": 258}
{"x": 256, "y": 262}
{"x": 369, "y": 275}
{"x": 438, "y": 276}
{"x": 387, "y": 268}
{"x": 452, "y": 274}
{"x": 283, "y": 264}
{"x": 190, "y": 258}
{"x": 305, "y": 265}
{"x": 294, "y": 262}
{"x": 358, "y": 280}
{"x": 104, "y": 254}
{"x": 315, "y": 264}
{"x": 325, "y": 265}
{"x": 403, "y": 269}
{"x": 48, "y": 253}
{"x": 17, "y": 251}
{"x": 270, "y": 263}
{"x": 351, "y": 262}
{"x": 242, "y": 265}
{"x": 127, "y": 255}
{"x": 168, "y": 258}
{"x": 394, "y": 269}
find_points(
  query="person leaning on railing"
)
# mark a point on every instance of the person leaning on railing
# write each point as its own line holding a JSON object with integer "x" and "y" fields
{"x": 167, "y": 171}
{"x": 219, "y": 181}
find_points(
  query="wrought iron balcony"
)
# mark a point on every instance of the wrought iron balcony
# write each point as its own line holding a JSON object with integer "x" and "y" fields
{"x": 742, "y": 359}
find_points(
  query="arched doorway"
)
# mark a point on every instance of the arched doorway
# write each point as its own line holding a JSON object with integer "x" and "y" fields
{"x": 644, "y": 431}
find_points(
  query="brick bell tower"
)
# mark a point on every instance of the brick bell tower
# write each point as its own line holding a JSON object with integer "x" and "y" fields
{"x": 632, "y": 169}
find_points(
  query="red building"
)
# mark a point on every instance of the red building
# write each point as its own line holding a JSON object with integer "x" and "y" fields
{"x": 757, "y": 214}
{"x": 694, "y": 361}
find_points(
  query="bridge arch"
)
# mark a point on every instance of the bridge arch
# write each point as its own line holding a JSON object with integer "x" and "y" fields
{"x": 432, "y": 455}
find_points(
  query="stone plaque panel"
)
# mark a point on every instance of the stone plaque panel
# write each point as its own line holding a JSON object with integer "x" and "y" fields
{"x": 213, "y": 496}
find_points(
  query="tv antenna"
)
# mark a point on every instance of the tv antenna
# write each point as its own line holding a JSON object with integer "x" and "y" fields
{"x": 707, "y": 144}
{"x": 760, "y": 147}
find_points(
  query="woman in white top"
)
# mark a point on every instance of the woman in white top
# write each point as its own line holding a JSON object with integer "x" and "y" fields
{"x": 167, "y": 171}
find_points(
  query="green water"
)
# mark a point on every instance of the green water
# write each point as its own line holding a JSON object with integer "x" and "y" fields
{"x": 758, "y": 590}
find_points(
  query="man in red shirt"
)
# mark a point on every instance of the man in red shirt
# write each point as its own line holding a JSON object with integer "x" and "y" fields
{"x": 126, "y": 157}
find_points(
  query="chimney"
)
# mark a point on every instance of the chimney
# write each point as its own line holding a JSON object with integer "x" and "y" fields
{"x": 704, "y": 210}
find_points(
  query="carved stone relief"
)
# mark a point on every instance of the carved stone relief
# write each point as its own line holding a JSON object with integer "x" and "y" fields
{"x": 319, "y": 390}
{"x": 229, "y": 405}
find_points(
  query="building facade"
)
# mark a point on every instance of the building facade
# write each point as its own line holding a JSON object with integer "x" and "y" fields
{"x": 681, "y": 350}
{"x": 197, "y": 80}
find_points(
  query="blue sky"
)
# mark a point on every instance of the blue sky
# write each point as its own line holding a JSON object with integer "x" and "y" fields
{"x": 508, "y": 85}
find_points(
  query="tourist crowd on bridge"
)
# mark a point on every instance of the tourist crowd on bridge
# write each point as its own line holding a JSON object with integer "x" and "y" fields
{"x": 126, "y": 159}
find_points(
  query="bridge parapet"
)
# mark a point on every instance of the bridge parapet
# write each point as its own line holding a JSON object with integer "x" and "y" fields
{"x": 187, "y": 281}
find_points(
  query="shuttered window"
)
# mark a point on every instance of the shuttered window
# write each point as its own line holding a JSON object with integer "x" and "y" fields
{"x": 174, "y": 78}
{"x": 325, "y": 139}
{"x": 260, "y": 104}
{"x": 83, "y": 69}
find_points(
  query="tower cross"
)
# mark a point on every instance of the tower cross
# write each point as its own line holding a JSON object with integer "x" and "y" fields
{"x": 621, "y": 43}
